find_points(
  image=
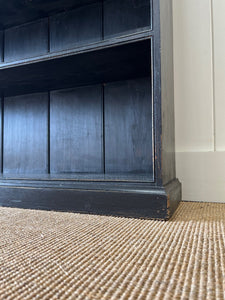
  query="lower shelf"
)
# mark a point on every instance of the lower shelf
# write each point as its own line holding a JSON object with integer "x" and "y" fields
{"x": 115, "y": 177}
{"x": 139, "y": 200}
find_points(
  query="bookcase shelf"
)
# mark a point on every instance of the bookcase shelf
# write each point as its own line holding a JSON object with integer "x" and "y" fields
{"x": 87, "y": 120}
{"x": 98, "y": 64}
{"x": 16, "y": 12}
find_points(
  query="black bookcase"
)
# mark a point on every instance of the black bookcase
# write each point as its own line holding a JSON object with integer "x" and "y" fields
{"x": 87, "y": 113}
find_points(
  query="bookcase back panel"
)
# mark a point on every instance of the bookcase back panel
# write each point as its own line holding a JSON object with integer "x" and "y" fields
{"x": 125, "y": 16}
{"x": 128, "y": 127}
{"x": 101, "y": 129}
{"x": 80, "y": 26}
{"x": 76, "y": 130}
{"x": 25, "y": 41}
{"x": 15, "y": 12}
{"x": 25, "y": 143}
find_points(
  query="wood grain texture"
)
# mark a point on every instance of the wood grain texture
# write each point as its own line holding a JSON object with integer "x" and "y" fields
{"x": 111, "y": 199}
{"x": 167, "y": 92}
{"x": 98, "y": 113}
{"x": 101, "y": 65}
{"x": 25, "y": 134}
{"x": 27, "y": 40}
{"x": 1, "y": 45}
{"x": 76, "y": 130}
{"x": 76, "y": 27}
{"x": 14, "y": 12}
{"x": 128, "y": 127}
{"x": 121, "y": 17}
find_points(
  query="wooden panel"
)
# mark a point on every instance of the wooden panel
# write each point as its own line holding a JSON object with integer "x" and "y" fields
{"x": 114, "y": 63}
{"x": 73, "y": 28}
{"x": 193, "y": 75}
{"x": 14, "y": 12}
{"x": 1, "y": 46}
{"x": 76, "y": 130}
{"x": 26, "y": 134}
{"x": 167, "y": 92}
{"x": 27, "y": 40}
{"x": 128, "y": 127}
{"x": 110, "y": 198}
{"x": 125, "y": 16}
{"x": 219, "y": 72}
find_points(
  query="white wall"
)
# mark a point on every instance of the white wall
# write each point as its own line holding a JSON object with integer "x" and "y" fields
{"x": 199, "y": 67}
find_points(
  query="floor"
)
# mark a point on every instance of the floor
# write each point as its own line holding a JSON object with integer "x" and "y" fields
{"x": 54, "y": 255}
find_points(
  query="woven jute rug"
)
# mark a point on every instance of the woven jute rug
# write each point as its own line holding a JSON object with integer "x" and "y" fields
{"x": 54, "y": 255}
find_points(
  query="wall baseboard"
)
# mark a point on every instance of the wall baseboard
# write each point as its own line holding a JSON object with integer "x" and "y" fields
{"x": 202, "y": 175}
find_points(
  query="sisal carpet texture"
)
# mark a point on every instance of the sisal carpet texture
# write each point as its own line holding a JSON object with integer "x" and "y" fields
{"x": 54, "y": 255}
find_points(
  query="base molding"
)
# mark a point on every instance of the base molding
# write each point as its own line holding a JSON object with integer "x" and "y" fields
{"x": 117, "y": 199}
{"x": 202, "y": 175}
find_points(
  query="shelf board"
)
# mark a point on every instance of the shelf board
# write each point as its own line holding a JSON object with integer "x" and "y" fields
{"x": 147, "y": 178}
{"x": 110, "y": 60}
{"x": 106, "y": 43}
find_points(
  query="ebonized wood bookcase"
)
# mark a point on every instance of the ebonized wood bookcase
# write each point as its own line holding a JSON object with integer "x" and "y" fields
{"x": 87, "y": 113}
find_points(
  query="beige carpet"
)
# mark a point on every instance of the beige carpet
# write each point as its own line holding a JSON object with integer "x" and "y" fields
{"x": 51, "y": 255}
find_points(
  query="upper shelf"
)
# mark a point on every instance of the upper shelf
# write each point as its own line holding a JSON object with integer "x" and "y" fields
{"x": 72, "y": 42}
{"x": 97, "y": 65}
{"x": 14, "y": 12}
{"x": 91, "y": 22}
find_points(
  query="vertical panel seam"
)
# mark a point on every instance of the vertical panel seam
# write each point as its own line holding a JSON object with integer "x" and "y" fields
{"x": 3, "y": 46}
{"x": 102, "y": 20}
{"x": 49, "y": 34}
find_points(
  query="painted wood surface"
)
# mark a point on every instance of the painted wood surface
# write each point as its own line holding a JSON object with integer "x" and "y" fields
{"x": 128, "y": 127}
{"x": 78, "y": 68}
{"x": 193, "y": 75}
{"x": 15, "y": 12}
{"x": 1, "y": 45}
{"x": 167, "y": 92}
{"x": 71, "y": 29}
{"x": 26, "y": 41}
{"x": 218, "y": 27}
{"x": 25, "y": 147}
{"x": 199, "y": 61}
{"x": 113, "y": 126}
{"x": 76, "y": 142}
{"x": 123, "y": 17}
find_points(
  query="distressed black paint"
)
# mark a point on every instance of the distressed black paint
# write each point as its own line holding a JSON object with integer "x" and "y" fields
{"x": 87, "y": 106}
{"x": 76, "y": 130}
{"x": 25, "y": 134}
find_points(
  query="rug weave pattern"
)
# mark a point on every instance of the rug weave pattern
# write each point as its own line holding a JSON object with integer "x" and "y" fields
{"x": 53, "y": 255}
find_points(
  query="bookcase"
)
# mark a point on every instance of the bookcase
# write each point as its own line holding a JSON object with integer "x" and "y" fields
{"x": 87, "y": 113}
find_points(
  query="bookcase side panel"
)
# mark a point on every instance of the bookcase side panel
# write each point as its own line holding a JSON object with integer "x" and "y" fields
{"x": 167, "y": 92}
